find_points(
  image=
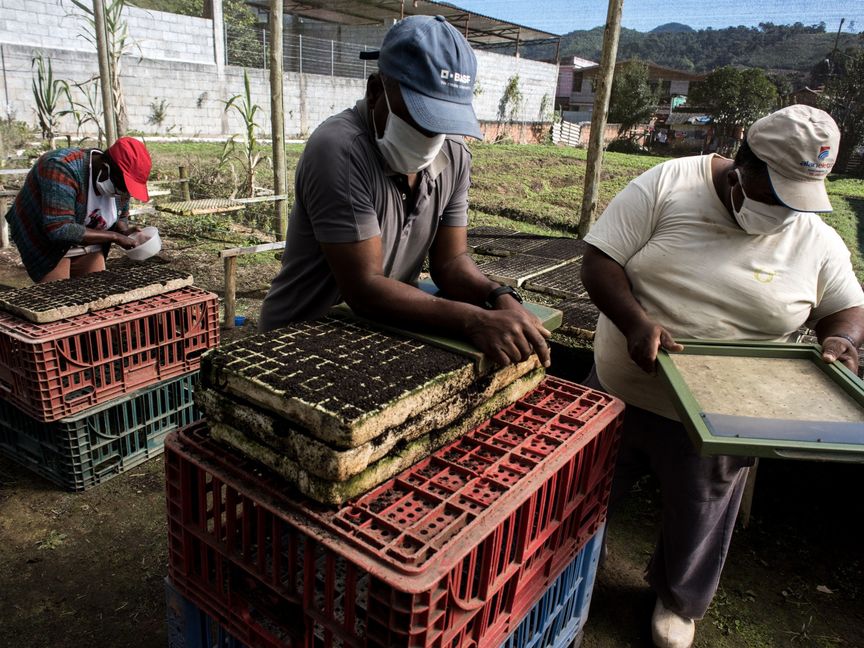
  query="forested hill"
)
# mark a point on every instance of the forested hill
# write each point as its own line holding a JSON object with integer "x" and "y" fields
{"x": 769, "y": 46}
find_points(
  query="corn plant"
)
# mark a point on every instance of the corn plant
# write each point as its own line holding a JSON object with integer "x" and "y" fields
{"x": 119, "y": 44}
{"x": 242, "y": 104}
{"x": 87, "y": 108}
{"x": 47, "y": 92}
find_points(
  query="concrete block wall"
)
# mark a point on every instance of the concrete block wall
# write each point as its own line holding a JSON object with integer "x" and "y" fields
{"x": 536, "y": 81}
{"x": 176, "y": 64}
{"x": 59, "y": 24}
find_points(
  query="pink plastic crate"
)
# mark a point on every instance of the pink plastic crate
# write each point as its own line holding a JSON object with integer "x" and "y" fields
{"x": 448, "y": 553}
{"x": 55, "y": 370}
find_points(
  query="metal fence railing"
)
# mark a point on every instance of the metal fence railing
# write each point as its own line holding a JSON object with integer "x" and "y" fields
{"x": 249, "y": 47}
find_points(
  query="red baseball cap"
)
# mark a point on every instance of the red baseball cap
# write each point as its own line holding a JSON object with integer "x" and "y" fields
{"x": 134, "y": 161}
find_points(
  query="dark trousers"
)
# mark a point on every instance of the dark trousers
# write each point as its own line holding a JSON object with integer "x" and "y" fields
{"x": 700, "y": 497}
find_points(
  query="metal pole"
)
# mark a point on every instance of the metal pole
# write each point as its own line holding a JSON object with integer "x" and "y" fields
{"x": 264, "y": 48}
{"x": 300, "y": 53}
{"x": 364, "y": 65}
{"x": 331, "y": 58}
{"x": 104, "y": 72}
{"x": 277, "y": 118}
{"x": 598, "y": 116}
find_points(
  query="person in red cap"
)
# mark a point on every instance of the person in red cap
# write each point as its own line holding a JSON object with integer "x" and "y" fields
{"x": 74, "y": 204}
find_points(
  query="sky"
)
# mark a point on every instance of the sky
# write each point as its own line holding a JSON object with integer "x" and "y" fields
{"x": 562, "y": 16}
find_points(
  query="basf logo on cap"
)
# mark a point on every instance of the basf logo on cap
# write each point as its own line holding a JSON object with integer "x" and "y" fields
{"x": 824, "y": 152}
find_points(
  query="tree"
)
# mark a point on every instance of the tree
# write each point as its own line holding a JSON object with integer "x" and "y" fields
{"x": 632, "y": 100}
{"x": 735, "y": 98}
{"x": 844, "y": 99}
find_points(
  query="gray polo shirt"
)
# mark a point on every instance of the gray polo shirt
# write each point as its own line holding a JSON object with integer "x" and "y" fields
{"x": 345, "y": 192}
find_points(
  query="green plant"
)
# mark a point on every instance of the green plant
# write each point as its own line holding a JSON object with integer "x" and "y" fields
{"x": 86, "y": 109}
{"x": 119, "y": 44}
{"x": 243, "y": 105}
{"x": 158, "y": 113}
{"x": 47, "y": 92}
{"x": 511, "y": 100}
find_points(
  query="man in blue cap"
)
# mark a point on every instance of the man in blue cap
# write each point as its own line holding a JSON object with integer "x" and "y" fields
{"x": 384, "y": 184}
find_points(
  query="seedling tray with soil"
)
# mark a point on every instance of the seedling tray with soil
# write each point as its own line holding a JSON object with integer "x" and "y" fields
{"x": 344, "y": 381}
{"x": 517, "y": 269}
{"x": 57, "y": 300}
{"x": 400, "y": 457}
{"x": 579, "y": 317}
{"x": 339, "y": 464}
{"x": 562, "y": 282}
{"x": 563, "y": 249}
{"x": 512, "y": 244}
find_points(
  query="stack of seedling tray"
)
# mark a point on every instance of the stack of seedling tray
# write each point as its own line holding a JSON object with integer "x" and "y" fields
{"x": 95, "y": 371}
{"x": 460, "y": 549}
{"x": 338, "y": 406}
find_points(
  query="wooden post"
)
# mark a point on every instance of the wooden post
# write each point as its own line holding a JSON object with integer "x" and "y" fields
{"x": 4, "y": 227}
{"x": 598, "y": 116}
{"x": 277, "y": 118}
{"x": 184, "y": 183}
{"x": 110, "y": 114}
{"x": 230, "y": 265}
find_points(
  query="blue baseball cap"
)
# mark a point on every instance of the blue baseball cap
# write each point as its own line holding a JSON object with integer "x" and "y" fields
{"x": 436, "y": 70}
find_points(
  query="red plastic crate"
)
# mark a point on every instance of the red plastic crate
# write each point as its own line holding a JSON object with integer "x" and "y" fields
{"x": 452, "y": 552}
{"x": 55, "y": 370}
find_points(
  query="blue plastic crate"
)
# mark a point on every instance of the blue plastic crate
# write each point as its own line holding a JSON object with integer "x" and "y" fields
{"x": 190, "y": 627}
{"x": 559, "y": 616}
{"x": 84, "y": 450}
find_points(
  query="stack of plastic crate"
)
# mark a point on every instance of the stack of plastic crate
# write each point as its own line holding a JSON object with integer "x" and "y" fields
{"x": 88, "y": 396}
{"x": 492, "y": 540}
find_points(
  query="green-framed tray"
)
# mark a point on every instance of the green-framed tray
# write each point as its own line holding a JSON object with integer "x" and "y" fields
{"x": 836, "y": 437}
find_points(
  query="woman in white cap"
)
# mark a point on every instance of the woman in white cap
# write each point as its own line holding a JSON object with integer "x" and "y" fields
{"x": 74, "y": 204}
{"x": 711, "y": 248}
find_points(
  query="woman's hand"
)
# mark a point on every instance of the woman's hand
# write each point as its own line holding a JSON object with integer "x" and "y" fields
{"x": 835, "y": 347}
{"x": 645, "y": 340}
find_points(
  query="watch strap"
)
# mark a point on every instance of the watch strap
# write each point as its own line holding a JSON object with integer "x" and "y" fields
{"x": 493, "y": 295}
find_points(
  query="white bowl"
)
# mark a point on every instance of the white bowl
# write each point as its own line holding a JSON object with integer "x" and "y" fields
{"x": 149, "y": 244}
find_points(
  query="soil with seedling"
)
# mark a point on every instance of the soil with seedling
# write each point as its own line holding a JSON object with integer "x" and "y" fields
{"x": 87, "y": 569}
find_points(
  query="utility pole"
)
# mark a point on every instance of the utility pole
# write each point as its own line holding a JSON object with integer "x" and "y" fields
{"x": 104, "y": 72}
{"x": 277, "y": 118}
{"x": 598, "y": 116}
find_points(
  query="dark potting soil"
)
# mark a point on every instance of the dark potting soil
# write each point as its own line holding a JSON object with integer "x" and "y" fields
{"x": 563, "y": 249}
{"x": 579, "y": 314}
{"x": 87, "y": 289}
{"x": 562, "y": 282}
{"x": 349, "y": 366}
{"x": 511, "y": 244}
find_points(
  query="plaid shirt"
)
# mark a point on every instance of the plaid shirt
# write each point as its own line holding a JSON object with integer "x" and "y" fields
{"x": 48, "y": 215}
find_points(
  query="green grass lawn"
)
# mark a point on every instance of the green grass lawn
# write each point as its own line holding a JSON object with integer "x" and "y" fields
{"x": 533, "y": 188}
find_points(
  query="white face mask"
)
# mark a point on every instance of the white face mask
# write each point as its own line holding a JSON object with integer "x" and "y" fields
{"x": 757, "y": 218}
{"x": 106, "y": 187}
{"x": 406, "y": 149}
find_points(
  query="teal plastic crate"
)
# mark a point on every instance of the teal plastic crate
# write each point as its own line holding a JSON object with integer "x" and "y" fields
{"x": 84, "y": 450}
{"x": 557, "y": 619}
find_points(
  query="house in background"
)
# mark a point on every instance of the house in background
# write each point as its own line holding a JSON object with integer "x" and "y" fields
{"x": 673, "y": 86}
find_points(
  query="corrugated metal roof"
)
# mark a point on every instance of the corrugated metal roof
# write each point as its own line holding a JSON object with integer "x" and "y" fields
{"x": 481, "y": 31}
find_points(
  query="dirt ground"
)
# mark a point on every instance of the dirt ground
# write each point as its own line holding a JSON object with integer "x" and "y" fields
{"x": 86, "y": 570}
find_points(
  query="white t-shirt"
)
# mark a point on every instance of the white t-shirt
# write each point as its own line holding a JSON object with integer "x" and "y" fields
{"x": 699, "y": 275}
{"x": 101, "y": 210}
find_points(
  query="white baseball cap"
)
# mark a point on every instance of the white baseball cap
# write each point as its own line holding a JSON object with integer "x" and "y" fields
{"x": 799, "y": 144}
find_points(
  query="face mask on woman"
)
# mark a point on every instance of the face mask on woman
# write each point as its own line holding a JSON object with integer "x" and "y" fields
{"x": 406, "y": 149}
{"x": 106, "y": 187}
{"x": 756, "y": 217}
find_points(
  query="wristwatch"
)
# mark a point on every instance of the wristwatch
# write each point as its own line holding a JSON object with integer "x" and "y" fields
{"x": 493, "y": 296}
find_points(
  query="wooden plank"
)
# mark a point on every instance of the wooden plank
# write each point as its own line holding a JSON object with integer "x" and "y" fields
{"x": 263, "y": 247}
{"x": 201, "y": 207}
{"x": 230, "y": 265}
{"x": 747, "y": 499}
{"x": 260, "y": 199}
{"x": 14, "y": 172}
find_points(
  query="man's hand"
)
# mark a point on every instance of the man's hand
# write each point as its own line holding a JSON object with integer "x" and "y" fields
{"x": 126, "y": 229}
{"x": 125, "y": 242}
{"x": 645, "y": 340}
{"x": 509, "y": 335}
{"x": 839, "y": 348}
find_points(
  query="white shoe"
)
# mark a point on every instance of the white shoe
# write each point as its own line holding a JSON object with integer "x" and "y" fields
{"x": 671, "y": 630}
